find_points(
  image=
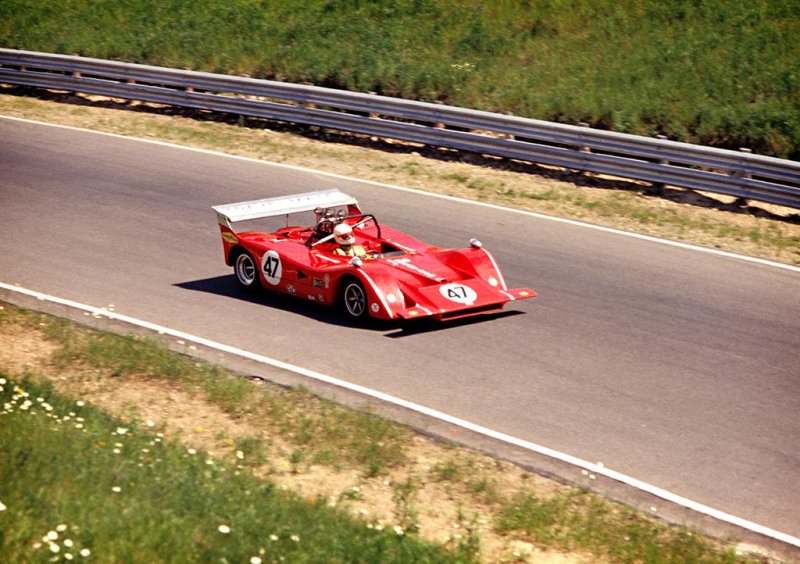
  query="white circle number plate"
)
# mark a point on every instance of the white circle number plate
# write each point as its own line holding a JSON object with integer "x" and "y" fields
{"x": 271, "y": 265}
{"x": 459, "y": 293}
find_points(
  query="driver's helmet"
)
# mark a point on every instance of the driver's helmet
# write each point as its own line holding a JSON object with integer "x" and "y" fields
{"x": 343, "y": 234}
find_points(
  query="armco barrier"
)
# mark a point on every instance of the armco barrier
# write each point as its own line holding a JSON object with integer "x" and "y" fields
{"x": 739, "y": 174}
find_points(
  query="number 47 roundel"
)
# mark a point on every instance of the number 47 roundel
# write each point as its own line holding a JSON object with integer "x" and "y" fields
{"x": 458, "y": 293}
{"x": 271, "y": 265}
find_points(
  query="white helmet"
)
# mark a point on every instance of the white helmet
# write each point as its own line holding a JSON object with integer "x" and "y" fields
{"x": 343, "y": 234}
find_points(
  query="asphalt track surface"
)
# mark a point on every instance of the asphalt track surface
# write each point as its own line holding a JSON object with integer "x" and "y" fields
{"x": 678, "y": 367}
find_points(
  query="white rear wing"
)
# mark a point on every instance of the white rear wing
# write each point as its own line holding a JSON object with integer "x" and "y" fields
{"x": 282, "y": 205}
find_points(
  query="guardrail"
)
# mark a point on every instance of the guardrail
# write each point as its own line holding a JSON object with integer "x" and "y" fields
{"x": 660, "y": 161}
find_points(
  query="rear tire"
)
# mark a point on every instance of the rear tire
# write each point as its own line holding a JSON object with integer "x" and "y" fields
{"x": 354, "y": 299}
{"x": 244, "y": 267}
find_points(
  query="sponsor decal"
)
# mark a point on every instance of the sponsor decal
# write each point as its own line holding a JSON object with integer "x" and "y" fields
{"x": 271, "y": 265}
{"x": 229, "y": 237}
{"x": 318, "y": 283}
{"x": 291, "y": 289}
{"x": 375, "y": 307}
{"x": 458, "y": 293}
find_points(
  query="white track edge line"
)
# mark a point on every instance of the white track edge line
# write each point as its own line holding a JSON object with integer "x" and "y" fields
{"x": 556, "y": 219}
{"x": 527, "y": 445}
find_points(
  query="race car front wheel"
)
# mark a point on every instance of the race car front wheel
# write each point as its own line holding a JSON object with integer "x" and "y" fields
{"x": 354, "y": 299}
{"x": 246, "y": 273}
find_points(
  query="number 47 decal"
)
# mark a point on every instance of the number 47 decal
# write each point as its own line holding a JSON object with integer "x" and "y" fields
{"x": 271, "y": 265}
{"x": 458, "y": 293}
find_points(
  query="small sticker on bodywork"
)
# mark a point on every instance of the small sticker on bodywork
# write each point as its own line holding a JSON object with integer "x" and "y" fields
{"x": 229, "y": 237}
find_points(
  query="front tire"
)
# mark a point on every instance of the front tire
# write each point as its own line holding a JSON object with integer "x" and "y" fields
{"x": 246, "y": 272}
{"x": 354, "y": 299}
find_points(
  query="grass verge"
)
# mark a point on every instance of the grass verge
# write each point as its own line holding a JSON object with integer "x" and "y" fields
{"x": 77, "y": 482}
{"x": 96, "y": 452}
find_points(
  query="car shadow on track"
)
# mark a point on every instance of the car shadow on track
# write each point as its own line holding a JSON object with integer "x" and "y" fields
{"x": 226, "y": 286}
{"x": 421, "y": 326}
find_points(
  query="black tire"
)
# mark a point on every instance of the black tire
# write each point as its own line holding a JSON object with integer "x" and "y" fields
{"x": 354, "y": 299}
{"x": 246, "y": 271}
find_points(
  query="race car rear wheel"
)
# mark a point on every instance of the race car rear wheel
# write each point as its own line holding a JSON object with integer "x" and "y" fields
{"x": 354, "y": 299}
{"x": 246, "y": 273}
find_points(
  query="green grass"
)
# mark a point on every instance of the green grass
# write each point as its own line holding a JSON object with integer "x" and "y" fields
{"x": 586, "y": 523}
{"x": 124, "y": 494}
{"x": 450, "y": 471}
{"x": 718, "y": 72}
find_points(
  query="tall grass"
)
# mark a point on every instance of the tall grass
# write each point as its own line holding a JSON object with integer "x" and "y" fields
{"x": 719, "y": 72}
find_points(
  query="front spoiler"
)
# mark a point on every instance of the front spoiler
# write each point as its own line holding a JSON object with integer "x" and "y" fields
{"x": 458, "y": 311}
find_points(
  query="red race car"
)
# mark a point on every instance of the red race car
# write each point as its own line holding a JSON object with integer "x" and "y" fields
{"x": 346, "y": 257}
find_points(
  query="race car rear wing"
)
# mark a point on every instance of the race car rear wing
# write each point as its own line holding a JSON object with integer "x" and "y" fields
{"x": 282, "y": 205}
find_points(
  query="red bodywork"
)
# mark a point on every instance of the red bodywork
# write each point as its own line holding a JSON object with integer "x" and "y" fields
{"x": 403, "y": 277}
